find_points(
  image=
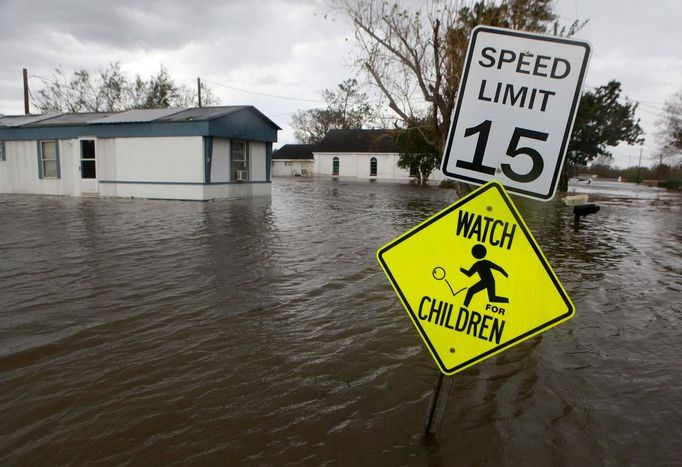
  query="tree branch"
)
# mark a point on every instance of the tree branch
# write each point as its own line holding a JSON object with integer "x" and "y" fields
{"x": 391, "y": 101}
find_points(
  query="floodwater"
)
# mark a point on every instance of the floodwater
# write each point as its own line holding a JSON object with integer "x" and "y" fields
{"x": 263, "y": 332}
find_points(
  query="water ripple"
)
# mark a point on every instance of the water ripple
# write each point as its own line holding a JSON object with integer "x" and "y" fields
{"x": 259, "y": 332}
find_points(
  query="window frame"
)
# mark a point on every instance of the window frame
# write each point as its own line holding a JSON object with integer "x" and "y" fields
{"x": 3, "y": 151}
{"x": 42, "y": 172}
{"x": 336, "y": 166}
{"x": 88, "y": 160}
{"x": 373, "y": 167}
{"x": 234, "y": 170}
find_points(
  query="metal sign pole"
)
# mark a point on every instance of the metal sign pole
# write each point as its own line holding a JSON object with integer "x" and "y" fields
{"x": 438, "y": 403}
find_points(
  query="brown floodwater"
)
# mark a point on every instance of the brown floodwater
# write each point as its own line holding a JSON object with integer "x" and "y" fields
{"x": 263, "y": 332}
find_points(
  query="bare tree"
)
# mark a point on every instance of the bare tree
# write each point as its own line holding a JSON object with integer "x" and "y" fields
{"x": 346, "y": 108}
{"x": 188, "y": 96}
{"x": 670, "y": 149}
{"x": 415, "y": 57}
{"x": 110, "y": 90}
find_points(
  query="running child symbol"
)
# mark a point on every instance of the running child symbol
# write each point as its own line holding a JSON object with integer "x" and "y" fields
{"x": 484, "y": 269}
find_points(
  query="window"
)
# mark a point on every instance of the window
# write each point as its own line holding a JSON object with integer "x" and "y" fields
{"x": 48, "y": 159}
{"x": 88, "y": 164}
{"x": 335, "y": 166}
{"x": 2, "y": 151}
{"x": 373, "y": 167}
{"x": 240, "y": 166}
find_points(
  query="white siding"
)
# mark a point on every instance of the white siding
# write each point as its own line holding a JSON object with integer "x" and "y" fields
{"x": 257, "y": 161}
{"x": 358, "y": 165}
{"x": 159, "y": 167}
{"x": 19, "y": 172}
{"x": 291, "y": 168}
{"x": 220, "y": 165}
{"x": 105, "y": 155}
{"x": 236, "y": 190}
{"x": 168, "y": 159}
{"x": 153, "y": 190}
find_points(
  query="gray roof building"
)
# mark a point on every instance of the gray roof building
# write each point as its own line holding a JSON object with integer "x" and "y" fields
{"x": 378, "y": 141}
{"x": 294, "y": 152}
{"x": 245, "y": 122}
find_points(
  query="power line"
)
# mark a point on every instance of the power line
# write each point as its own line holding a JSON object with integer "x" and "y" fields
{"x": 651, "y": 112}
{"x": 263, "y": 94}
{"x": 653, "y": 103}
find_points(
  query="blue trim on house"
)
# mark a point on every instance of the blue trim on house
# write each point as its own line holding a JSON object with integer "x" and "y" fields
{"x": 59, "y": 165}
{"x": 208, "y": 157}
{"x": 268, "y": 160}
{"x": 247, "y": 154}
{"x": 230, "y": 162}
{"x": 141, "y": 182}
{"x": 244, "y": 124}
{"x": 111, "y": 130}
{"x": 40, "y": 160}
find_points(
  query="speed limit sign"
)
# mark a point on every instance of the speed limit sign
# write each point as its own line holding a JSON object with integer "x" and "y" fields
{"x": 515, "y": 110}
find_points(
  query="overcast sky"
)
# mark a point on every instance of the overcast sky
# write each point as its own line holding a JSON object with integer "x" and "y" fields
{"x": 249, "y": 52}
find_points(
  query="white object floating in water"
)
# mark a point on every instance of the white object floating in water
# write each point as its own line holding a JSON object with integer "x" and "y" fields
{"x": 575, "y": 200}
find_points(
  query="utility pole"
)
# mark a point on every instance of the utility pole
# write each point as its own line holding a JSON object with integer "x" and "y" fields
{"x": 26, "y": 108}
{"x": 639, "y": 165}
{"x": 199, "y": 90}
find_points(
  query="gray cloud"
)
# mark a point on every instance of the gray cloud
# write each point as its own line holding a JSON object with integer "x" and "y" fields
{"x": 287, "y": 47}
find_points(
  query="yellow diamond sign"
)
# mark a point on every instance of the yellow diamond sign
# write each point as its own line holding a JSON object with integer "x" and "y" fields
{"x": 474, "y": 280}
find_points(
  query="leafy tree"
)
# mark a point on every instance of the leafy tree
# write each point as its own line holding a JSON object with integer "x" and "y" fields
{"x": 671, "y": 130}
{"x": 161, "y": 91}
{"x": 416, "y": 154}
{"x": 110, "y": 90}
{"x": 346, "y": 108}
{"x": 113, "y": 86}
{"x": 137, "y": 93}
{"x": 603, "y": 120}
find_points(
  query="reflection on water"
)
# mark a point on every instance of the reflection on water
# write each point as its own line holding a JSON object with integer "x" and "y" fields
{"x": 263, "y": 332}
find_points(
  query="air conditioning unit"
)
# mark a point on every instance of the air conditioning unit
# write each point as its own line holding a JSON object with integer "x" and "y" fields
{"x": 242, "y": 175}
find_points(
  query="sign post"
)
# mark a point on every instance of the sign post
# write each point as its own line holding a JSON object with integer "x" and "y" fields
{"x": 515, "y": 110}
{"x": 474, "y": 281}
{"x": 472, "y": 278}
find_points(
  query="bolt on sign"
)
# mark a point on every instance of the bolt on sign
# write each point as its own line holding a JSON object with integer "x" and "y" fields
{"x": 474, "y": 281}
{"x": 515, "y": 110}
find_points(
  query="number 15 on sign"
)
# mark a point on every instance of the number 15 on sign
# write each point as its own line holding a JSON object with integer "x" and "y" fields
{"x": 515, "y": 110}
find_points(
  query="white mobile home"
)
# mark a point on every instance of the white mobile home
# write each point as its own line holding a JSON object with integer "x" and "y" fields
{"x": 293, "y": 160}
{"x": 193, "y": 154}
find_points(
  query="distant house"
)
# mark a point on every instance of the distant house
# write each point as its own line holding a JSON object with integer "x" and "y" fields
{"x": 363, "y": 154}
{"x": 293, "y": 160}
{"x": 194, "y": 154}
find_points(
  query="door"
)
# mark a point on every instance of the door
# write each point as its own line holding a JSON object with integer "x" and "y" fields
{"x": 88, "y": 166}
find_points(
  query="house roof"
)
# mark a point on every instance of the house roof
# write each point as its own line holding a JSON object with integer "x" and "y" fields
{"x": 21, "y": 120}
{"x": 136, "y": 116}
{"x": 357, "y": 141}
{"x": 294, "y": 151}
{"x": 243, "y": 121}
